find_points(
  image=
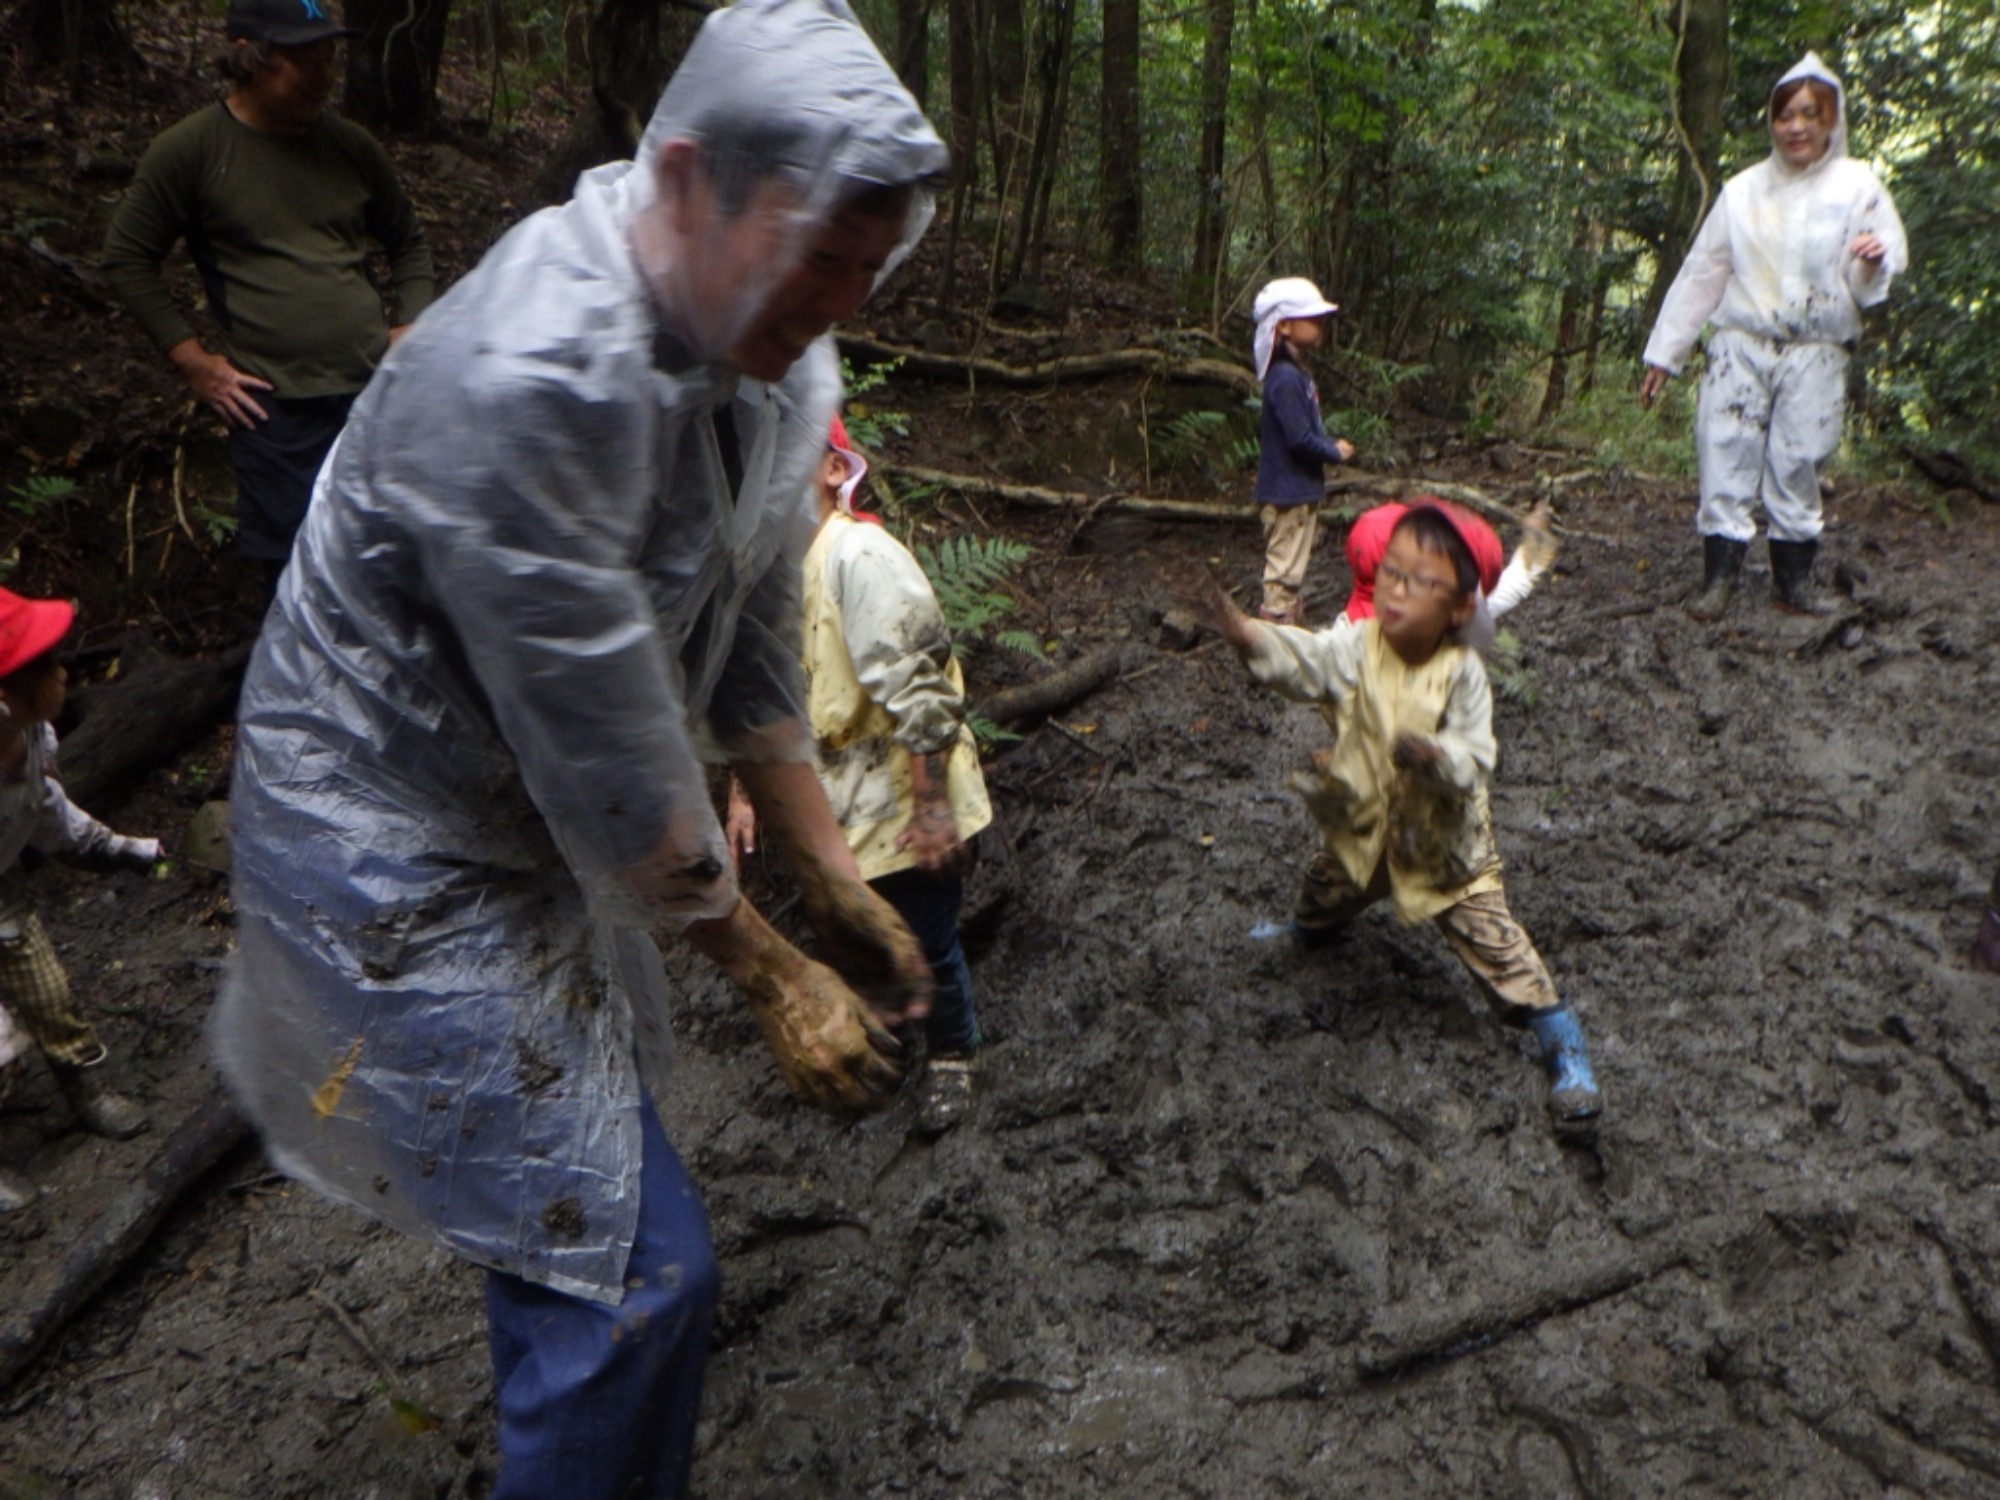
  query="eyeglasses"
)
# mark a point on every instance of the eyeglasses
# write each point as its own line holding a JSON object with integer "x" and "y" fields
{"x": 1388, "y": 576}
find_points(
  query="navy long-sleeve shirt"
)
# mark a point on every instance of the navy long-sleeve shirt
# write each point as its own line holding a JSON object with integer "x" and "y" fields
{"x": 1293, "y": 448}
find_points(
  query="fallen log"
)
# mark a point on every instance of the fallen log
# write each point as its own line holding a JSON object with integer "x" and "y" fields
{"x": 1387, "y": 486}
{"x": 1054, "y": 371}
{"x": 105, "y": 1244}
{"x": 156, "y": 707}
{"x": 1410, "y": 1334}
{"x": 1048, "y": 499}
{"x": 1059, "y": 689}
{"x": 1946, "y": 469}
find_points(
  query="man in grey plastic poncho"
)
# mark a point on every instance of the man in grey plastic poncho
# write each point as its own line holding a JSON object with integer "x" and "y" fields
{"x": 1794, "y": 248}
{"x": 550, "y": 568}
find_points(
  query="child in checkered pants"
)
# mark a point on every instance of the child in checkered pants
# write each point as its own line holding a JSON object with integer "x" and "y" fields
{"x": 35, "y": 812}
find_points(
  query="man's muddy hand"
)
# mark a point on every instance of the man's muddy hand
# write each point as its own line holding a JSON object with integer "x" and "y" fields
{"x": 833, "y": 1052}
{"x": 868, "y": 944}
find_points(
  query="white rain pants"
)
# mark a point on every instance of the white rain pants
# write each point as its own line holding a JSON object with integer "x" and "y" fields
{"x": 1768, "y": 418}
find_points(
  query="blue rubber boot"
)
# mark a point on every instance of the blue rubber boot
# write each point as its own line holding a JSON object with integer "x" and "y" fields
{"x": 1573, "y": 1095}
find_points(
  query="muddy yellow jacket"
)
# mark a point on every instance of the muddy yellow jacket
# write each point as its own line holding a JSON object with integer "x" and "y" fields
{"x": 1432, "y": 823}
{"x": 881, "y": 686}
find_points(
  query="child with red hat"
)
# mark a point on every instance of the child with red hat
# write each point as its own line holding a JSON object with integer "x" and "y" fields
{"x": 1401, "y": 796}
{"x": 900, "y": 767}
{"x": 35, "y": 812}
{"x": 1500, "y": 587}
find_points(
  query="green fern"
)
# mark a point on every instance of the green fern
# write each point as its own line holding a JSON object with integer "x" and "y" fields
{"x": 1512, "y": 677}
{"x": 1191, "y": 438}
{"x": 40, "y": 495}
{"x": 988, "y": 733}
{"x": 965, "y": 574}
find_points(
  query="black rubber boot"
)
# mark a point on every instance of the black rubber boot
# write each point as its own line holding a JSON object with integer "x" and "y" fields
{"x": 1722, "y": 564}
{"x": 1791, "y": 579}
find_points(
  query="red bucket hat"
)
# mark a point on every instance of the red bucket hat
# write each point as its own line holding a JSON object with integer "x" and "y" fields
{"x": 30, "y": 628}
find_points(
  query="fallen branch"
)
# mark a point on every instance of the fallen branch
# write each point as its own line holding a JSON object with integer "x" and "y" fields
{"x": 105, "y": 1244}
{"x": 1054, "y": 371}
{"x": 1389, "y": 487}
{"x": 1042, "y": 697}
{"x": 1946, "y": 469}
{"x": 1414, "y": 1333}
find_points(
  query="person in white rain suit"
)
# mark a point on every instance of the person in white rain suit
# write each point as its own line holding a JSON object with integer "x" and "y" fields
{"x": 1792, "y": 251}
{"x": 551, "y": 567}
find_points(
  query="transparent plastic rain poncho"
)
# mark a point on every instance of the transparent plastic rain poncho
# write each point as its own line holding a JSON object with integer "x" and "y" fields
{"x": 523, "y": 609}
{"x": 1771, "y": 259}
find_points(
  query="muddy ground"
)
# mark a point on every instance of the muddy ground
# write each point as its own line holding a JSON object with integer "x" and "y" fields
{"x": 1228, "y": 1220}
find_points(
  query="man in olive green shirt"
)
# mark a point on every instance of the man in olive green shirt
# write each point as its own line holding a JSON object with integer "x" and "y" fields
{"x": 277, "y": 200}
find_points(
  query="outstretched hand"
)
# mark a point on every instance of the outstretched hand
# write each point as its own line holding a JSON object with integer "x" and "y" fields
{"x": 1220, "y": 613}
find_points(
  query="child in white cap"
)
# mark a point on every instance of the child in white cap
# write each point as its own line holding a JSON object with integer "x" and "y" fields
{"x": 1293, "y": 448}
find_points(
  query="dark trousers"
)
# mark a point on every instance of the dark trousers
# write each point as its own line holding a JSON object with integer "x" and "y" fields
{"x": 276, "y": 463}
{"x": 929, "y": 905}
{"x": 598, "y": 1402}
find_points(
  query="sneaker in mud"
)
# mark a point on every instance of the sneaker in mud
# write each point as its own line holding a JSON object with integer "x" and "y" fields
{"x": 948, "y": 1092}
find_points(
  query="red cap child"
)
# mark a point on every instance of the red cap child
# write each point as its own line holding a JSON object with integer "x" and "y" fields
{"x": 1368, "y": 540}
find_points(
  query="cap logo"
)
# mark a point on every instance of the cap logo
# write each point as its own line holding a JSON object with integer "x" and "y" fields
{"x": 313, "y": 12}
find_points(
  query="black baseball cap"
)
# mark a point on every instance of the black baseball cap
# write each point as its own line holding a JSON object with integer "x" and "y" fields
{"x": 289, "y": 23}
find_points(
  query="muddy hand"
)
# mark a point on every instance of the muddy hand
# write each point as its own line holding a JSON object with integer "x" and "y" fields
{"x": 1651, "y": 384}
{"x": 868, "y": 944}
{"x": 1538, "y": 537}
{"x": 832, "y": 1051}
{"x": 1414, "y": 750}
{"x": 1219, "y": 612}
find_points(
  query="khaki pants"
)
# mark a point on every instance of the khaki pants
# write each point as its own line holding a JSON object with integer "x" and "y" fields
{"x": 1288, "y": 546}
{"x": 1494, "y": 947}
{"x": 35, "y": 989}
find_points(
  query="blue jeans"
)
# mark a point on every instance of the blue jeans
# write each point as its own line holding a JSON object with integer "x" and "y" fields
{"x": 929, "y": 905}
{"x": 599, "y": 1402}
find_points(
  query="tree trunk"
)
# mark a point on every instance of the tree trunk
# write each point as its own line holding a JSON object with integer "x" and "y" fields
{"x": 962, "y": 61}
{"x": 634, "y": 47}
{"x": 1009, "y": 79}
{"x": 1051, "y": 68}
{"x": 1210, "y": 210}
{"x": 913, "y": 47}
{"x": 1575, "y": 278}
{"x": 72, "y": 33}
{"x": 392, "y": 66}
{"x": 1701, "y": 95}
{"x": 1118, "y": 141}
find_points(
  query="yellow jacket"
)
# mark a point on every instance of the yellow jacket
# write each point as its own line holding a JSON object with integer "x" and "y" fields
{"x": 1432, "y": 823}
{"x": 881, "y": 686}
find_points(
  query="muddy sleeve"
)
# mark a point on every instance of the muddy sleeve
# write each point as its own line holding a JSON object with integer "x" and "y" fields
{"x": 393, "y": 222}
{"x": 1307, "y": 666}
{"x": 1466, "y": 736}
{"x": 1696, "y": 292}
{"x": 151, "y": 218}
{"x": 897, "y": 639}
{"x": 1876, "y": 214}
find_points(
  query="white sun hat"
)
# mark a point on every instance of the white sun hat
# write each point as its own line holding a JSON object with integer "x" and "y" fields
{"x": 1287, "y": 297}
